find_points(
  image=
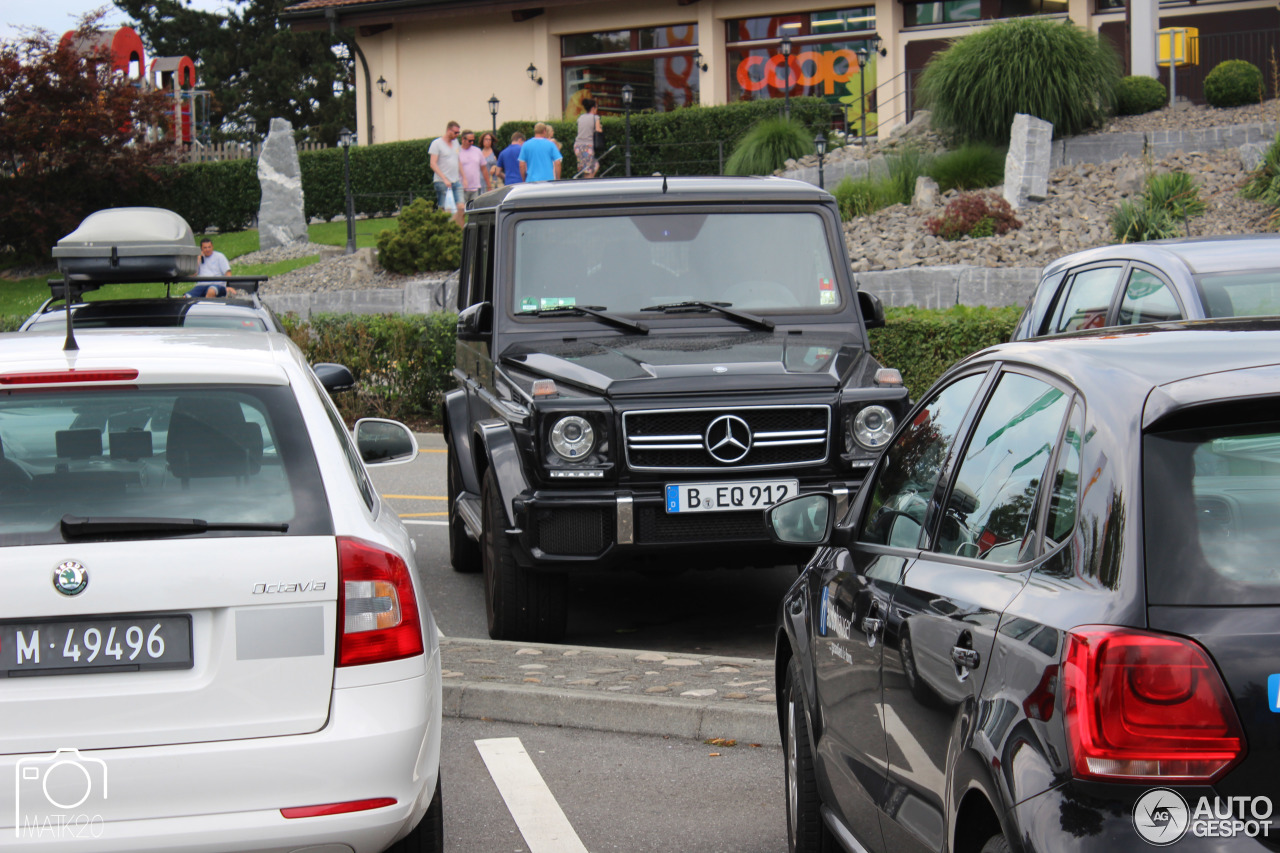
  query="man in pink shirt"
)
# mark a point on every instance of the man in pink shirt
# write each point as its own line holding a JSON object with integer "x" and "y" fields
{"x": 471, "y": 162}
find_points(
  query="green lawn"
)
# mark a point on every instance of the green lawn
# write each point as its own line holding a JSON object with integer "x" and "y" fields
{"x": 22, "y": 297}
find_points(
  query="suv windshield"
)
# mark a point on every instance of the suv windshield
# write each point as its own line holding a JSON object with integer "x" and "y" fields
{"x": 223, "y": 454}
{"x": 776, "y": 261}
{"x": 1211, "y": 498}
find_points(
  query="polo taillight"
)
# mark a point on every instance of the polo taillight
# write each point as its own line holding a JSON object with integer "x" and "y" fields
{"x": 1143, "y": 707}
{"x": 377, "y": 612}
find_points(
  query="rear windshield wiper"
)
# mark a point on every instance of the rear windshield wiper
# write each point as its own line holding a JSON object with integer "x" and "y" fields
{"x": 722, "y": 307}
{"x": 597, "y": 311}
{"x": 74, "y": 526}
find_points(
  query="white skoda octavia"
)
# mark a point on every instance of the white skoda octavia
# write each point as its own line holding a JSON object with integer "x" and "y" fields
{"x": 212, "y": 633}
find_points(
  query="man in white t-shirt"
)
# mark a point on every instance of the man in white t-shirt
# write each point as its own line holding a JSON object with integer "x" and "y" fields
{"x": 211, "y": 264}
{"x": 448, "y": 178}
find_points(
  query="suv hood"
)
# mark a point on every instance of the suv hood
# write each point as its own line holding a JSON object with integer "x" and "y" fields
{"x": 633, "y": 365}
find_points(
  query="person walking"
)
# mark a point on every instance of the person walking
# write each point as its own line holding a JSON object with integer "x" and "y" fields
{"x": 509, "y": 160}
{"x": 448, "y": 180}
{"x": 475, "y": 174}
{"x": 539, "y": 157}
{"x": 584, "y": 144}
{"x": 487, "y": 141}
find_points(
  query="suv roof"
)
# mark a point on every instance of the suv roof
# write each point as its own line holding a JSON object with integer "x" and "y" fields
{"x": 610, "y": 191}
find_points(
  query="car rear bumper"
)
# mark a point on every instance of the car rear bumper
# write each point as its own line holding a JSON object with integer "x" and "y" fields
{"x": 599, "y": 528}
{"x": 381, "y": 741}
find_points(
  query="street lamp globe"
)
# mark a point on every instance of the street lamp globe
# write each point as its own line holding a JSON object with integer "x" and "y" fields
{"x": 346, "y": 138}
{"x": 493, "y": 113}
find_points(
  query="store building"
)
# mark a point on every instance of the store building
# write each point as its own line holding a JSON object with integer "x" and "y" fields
{"x": 426, "y": 62}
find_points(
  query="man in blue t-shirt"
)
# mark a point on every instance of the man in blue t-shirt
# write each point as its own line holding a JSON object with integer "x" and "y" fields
{"x": 509, "y": 160}
{"x": 539, "y": 157}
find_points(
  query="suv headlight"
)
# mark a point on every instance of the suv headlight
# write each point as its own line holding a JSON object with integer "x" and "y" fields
{"x": 572, "y": 437}
{"x": 872, "y": 426}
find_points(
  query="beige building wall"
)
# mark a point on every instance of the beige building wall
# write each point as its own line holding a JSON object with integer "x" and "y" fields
{"x": 446, "y": 69}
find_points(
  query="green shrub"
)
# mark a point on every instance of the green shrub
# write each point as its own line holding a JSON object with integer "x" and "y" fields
{"x": 1168, "y": 200}
{"x": 1263, "y": 183}
{"x": 905, "y": 166}
{"x": 974, "y": 166}
{"x": 768, "y": 146}
{"x": 424, "y": 239}
{"x": 922, "y": 343}
{"x": 863, "y": 196}
{"x": 975, "y": 214}
{"x": 1049, "y": 69}
{"x": 1233, "y": 83}
{"x": 402, "y": 362}
{"x": 1137, "y": 94}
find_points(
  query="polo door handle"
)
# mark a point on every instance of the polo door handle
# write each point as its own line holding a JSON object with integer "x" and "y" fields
{"x": 967, "y": 658}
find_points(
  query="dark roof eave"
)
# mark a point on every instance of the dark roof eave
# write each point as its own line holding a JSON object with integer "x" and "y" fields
{"x": 369, "y": 13}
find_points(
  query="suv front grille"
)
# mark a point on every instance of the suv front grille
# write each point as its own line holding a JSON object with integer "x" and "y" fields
{"x": 654, "y": 526}
{"x": 774, "y": 437}
{"x": 579, "y": 531}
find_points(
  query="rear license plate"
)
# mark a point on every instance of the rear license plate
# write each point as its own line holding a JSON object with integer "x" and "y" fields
{"x": 107, "y": 644}
{"x": 727, "y": 497}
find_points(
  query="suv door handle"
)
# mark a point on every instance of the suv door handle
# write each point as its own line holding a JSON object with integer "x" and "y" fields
{"x": 967, "y": 658}
{"x": 871, "y": 625}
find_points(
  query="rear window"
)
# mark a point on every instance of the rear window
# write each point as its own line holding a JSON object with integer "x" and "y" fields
{"x": 1212, "y": 498}
{"x": 224, "y": 454}
{"x": 1241, "y": 293}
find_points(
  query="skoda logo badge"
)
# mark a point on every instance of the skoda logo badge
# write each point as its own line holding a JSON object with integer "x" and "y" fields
{"x": 70, "y": 578}
{"x": 728, "y": 439}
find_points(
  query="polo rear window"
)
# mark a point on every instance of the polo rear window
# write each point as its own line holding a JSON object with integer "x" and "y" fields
{"x": 224, "y": 454}
{"x": 1212, "y": 497}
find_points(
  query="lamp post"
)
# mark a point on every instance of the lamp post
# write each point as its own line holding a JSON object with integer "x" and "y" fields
{"x": 786, "y": 62}
{"x": 346, "y": 138}
{"x": 820, "y": 143}
{"x": 493, "y": 113}
{"x": 627, "y": 94}
{"x": 862, "y": 80}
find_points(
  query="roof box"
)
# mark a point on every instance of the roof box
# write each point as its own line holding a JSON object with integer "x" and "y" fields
{"x": 128, "y": 244}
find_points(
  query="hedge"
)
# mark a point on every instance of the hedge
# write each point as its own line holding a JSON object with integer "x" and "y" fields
{"x": 225, "y": 196}
{"x": 403, "y": 362}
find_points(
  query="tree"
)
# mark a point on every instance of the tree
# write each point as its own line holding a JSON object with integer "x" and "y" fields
{"x": 75, "y": 137}
{"x": 256, "y": 69}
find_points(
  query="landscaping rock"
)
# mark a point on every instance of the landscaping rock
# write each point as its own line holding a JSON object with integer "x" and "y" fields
{"x": 281, "y": 220}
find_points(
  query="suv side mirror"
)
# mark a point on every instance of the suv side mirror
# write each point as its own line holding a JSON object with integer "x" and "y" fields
{"x": 384, "y": 442}
{"x": 476, "y": 320}
{"x": 334, "y": 377}
{"x": 872, "y": 309}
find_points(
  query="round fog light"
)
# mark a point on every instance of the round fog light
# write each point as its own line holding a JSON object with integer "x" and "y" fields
{"x": 572, "y": 437}
{"x": 872, "y": 427}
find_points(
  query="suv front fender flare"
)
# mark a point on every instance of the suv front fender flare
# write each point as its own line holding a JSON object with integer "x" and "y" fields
{"x": 457, "y": 432}
{"x": 496, "y": 441}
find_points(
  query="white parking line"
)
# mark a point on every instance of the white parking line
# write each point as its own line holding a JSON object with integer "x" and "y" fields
{"x": 531, "y": 803}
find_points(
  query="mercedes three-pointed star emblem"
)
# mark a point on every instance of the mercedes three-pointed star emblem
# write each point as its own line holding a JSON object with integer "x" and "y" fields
{"x": 728, "y": 439}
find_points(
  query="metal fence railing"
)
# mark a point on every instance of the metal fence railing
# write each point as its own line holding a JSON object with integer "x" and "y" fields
{"x": 1261, "y": 47}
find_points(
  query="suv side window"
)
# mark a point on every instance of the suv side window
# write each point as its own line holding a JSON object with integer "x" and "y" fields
{"x": 990, "y": 510}
{"x": 1085, "y": 300}
{"x": 909, "y": 472}
{"x": 1147, "y": 299}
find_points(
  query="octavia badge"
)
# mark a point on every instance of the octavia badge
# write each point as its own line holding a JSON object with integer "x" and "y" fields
{"x": 728, "y": 439}
{"x": 70, "y": 577}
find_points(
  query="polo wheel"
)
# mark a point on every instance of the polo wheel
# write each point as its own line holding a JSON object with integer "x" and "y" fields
{"x": 806, "y": 832}
{"x": 464, "y": 552}
{"x": 521, "y": 604}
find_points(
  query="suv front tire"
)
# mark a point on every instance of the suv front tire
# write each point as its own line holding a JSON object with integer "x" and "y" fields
{"x": 519, "y": 604}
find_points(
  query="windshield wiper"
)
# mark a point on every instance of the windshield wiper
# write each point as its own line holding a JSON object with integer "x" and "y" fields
{"x": 597, "y": 311}
{"x": 722, "y": 307}
{"x": 74, "y": 526}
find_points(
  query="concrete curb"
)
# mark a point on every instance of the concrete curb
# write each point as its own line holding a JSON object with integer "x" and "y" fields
{"x": 659, "y": 716}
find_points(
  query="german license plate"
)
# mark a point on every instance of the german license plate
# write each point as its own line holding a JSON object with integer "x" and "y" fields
{"x": 727, "y": 497}
{"x": 108, "y": 644}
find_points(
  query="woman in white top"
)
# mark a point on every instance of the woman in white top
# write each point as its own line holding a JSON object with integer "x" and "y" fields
{"x": 584, "y": 145}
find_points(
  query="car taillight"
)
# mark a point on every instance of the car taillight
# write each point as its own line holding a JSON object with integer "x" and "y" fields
{"x": 377, "y": 612}
{"x": 1141, "y": 707}
{"x": 52, "y": 377}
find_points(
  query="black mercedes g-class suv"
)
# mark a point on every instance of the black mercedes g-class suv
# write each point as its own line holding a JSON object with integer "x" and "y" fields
{"x": 644, "y": 365}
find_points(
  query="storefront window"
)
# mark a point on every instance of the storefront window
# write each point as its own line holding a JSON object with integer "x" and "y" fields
{"x": 945, "y": 12}
{"x": 823, "y": 61}
{"x": 598, "y": 65}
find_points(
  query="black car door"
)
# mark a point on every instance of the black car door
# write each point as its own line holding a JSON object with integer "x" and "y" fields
{"x": 854, "y": 605}
{"x": 976, "y": 549}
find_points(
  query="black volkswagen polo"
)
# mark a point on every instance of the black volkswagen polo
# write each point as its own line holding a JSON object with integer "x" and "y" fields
{"x": 1050, "y": 620}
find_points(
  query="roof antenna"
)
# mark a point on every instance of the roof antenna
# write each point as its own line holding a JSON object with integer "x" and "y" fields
{"x": 69, "y": 345}
{"x": 664, "y": 184}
